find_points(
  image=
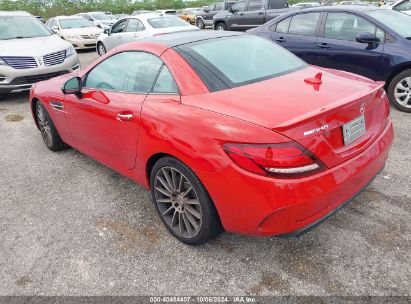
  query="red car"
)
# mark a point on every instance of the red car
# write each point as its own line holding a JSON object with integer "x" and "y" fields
{"x": 228, "y": 130}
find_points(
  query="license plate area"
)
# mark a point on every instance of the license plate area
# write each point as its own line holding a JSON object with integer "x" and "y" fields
{"x": 353, "y": 129}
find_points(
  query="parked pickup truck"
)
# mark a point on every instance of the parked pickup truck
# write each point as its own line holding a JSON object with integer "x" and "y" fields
{"x": 249, "y": 14}
{"x": 206, "y": 18}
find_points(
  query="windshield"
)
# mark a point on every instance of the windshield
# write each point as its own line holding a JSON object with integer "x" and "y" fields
{"x": 245, "y": 59}
{"x": 100, "y": 16}
{"x": 398, "y": 22}
{"x": 163, "y": 22}
{"x": 74, "y": 23}
{"x": 16, "y": 27}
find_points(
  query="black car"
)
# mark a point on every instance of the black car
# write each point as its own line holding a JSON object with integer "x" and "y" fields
{"x": 206, "y": 18}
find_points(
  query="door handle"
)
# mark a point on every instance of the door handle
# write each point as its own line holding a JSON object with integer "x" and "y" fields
{"x": 323, "y": 46}
{"x": 281, "y": 39}
{"x": 241, "y": 14}
{"x": 124, "y": 116}
{"x": 260, "y": 13}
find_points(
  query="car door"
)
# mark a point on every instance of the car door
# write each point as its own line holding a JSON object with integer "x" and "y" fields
{"x": 134, "y": 30}
{"x": 104, "y": 121}
{"x": 340, "y": 50}
{"x": 253, "y": 14}
{"x": 117, "y": 31}
{"x": 299, "y": 34}
{"x": 237, "y": 19}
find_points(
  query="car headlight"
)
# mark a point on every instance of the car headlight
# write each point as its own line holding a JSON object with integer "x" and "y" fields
{"x": 2, "y": 62}
{"x": 70, "y": 52}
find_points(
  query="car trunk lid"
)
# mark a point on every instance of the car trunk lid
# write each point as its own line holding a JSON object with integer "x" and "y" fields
{"x": 311, "y": 114}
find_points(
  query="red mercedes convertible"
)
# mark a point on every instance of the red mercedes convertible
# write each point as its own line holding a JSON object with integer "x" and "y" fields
{"x": 228, "y": 131}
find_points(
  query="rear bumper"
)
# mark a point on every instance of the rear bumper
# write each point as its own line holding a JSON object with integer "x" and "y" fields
{"x": 258, "y": 205}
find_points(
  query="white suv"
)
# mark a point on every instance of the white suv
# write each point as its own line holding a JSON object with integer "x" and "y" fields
{"x": 29, "y": 52}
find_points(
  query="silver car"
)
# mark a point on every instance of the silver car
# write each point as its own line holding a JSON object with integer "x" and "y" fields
{"x": 29, "y": 52}
{"x": 139, "y": 27}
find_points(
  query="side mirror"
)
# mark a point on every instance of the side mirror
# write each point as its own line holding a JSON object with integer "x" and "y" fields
{"x": 107, "y": 31}
{"x": 367, "y": 38}
{"x": 231, "y": 10}
{"x": 206, "y": 10}
{"x": 54, "y": 28}
{"x": 73, "y": 86}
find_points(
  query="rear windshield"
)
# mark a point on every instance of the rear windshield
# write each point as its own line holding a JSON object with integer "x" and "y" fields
{"x": 399, "y": 22}
{"x": 244, "y": 59}
{"x": 13, "y": 27}
{"x": 163, "y": 22}
{"x": 99, "y": 16}
{"x": 74, "y": 23}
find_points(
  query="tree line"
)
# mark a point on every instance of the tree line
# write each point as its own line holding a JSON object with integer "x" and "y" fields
{"x": 51, "y": 8}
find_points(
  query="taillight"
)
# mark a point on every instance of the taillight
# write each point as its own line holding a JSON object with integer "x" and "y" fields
{"x": 286, "y": 160}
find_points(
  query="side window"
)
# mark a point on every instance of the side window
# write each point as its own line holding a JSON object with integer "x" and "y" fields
{"x": 282, "y": 26}
{"x": 132, "y": 72}
{"x": 165, "y": 82}
{"x": 219, "y": 6}
{"x": 304, "y": 24}
{"x": 239, "y": 6}
{"x": 88, "y": 17}
{"x": 119, "y": 27}
{"x": 345, "y": 26}
{"x": 404, "y": 6}
{"x": 255, "y": 5}
{"x": 134, "y": 25}
{"x": 277, "y": 4}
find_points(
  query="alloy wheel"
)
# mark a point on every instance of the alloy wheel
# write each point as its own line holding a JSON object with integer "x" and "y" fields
{"x": 402, "y": 92}
{"x": 101, "y": 49}
{"x": 177, "y": 202}
{"x": 200, "y": 24}
{"x": 44, "y": 125}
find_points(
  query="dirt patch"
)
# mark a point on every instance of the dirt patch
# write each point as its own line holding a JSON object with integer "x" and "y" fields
{"x": 23, "y": 281}
{"x": 269, "y": 282}
{"x": 14, "y": 118}
{"x": 128, "y": 236}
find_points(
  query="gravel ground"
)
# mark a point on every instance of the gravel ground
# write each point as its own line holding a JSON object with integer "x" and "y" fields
{"x": 71, "y": 226}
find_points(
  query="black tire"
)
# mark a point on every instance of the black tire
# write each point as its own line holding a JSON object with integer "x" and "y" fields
{"x": 221, "y": 26}
{"x": 209, "y": 226}
{"x": 392, "y": 87}
{"x": 200, "y": 23}
{"x": 101, "y": 45}
{"x": 48, "y": 131}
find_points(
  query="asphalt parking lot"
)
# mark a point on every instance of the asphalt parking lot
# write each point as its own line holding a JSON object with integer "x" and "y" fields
{"x": 71, "y": 226}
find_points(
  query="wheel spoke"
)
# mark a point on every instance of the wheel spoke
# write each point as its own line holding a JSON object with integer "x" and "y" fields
{"x": 174, "y": 218}
{"x": 192, "y": 202}
{"x": 169, "y": 182}
{"x": 405, "y": 101}
{"x": 187, "y": 224}
{"x": 187, "y": 191}
{"x": 193, "y": 211}
{"x": 180, "y": 183}
{"x": 400, "y": 86}
{"x": 180, "y": 223}
{"x": 400, "y": 94}
{"x": 168, "y": 210}
{"x": 164, "y": 183}
{"x": 164, "y": 200}
{"x": 192, "y": 221}
{"x": 408, "y": 81}
{"x": 163, "y": 191}
{"x": 174, "y": 178}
